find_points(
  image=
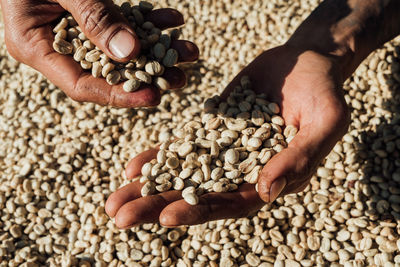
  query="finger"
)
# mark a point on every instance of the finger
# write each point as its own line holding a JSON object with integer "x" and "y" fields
{"x": 123, "y": 195}
{"x": 134, "y": 167}
{"x": 212, "y": 206}
{"x": 145, "y": 209}
{"x": 175, "y": 77}
{"x": 82, "y": 87}
{"x": 103, "y": 24}
{"x": 287, "y": 167}
{"x": 90, "y": 89}
{"x": 294, "y": 165}
{"x": 67, "y": 74}
{"x": 164, "y": 18}
{"x": 188, "y": 51}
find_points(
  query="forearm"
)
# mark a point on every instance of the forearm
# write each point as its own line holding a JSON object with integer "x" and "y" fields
{"x": 349, "y": 30}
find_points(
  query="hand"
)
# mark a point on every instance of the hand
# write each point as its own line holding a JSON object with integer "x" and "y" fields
{"x": 307, "y": 87}
{"x": 29, "y": 38}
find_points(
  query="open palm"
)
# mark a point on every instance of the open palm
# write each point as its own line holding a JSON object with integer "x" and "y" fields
{"x": 307, "y": 86}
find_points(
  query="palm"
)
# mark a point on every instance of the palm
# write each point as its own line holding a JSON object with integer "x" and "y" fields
{"x": 309, "y": 96}
{"x": 34, "y": 24}
{"x": 307, "y": 89}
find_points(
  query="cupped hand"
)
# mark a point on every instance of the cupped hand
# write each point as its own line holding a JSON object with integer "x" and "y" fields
{"x": 307, "y": 87}
{"x": 29, "y": 39}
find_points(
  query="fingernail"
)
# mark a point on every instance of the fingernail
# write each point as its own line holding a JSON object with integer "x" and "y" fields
{"x": 126, "y": 174}
{"x": 276, "y": 188}
{"x": 130, "y": 226}
{"x": 166, "y": 222}
{"x": 169, "y": 226}
{"x": 122, "y": 44}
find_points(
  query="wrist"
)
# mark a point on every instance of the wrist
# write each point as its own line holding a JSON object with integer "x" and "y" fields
{"x": 339, "y": 54}
{"x": 348, "y": 30}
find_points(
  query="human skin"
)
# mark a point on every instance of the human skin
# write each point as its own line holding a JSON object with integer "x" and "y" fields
{"x": 305, "y": 77}
{"x": 29, "y": 38}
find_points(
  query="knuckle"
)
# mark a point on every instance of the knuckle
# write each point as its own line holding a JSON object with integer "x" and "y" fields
{"x": 306, "y": 168}
{"x": 302, "y": 169}
{"x": 79, "y": 91}
{"x": 111, "y": 98}
{"x": 76, "y": 96}
{"x": 95, "y": 17}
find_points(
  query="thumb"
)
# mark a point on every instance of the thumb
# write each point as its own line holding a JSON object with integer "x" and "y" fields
{"x": 289, "y": 170}
{"x": 103, "y": 24}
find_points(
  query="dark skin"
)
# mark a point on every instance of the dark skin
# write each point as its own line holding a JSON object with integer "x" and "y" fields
{"x": 29, "y": 38}
{"x": 296, "y": 163}
{"x": 305, "y": 78}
